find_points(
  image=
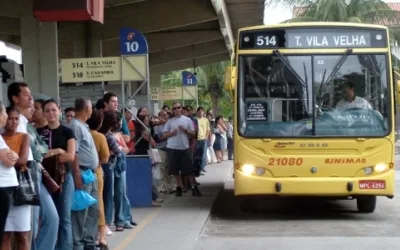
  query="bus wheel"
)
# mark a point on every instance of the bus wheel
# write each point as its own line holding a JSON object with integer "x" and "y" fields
{"x": 366, "y": 204}
{"x": 247, "y": 204}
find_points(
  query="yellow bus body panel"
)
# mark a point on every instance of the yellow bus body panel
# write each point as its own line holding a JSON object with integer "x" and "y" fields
{"x": 290, "y": 162}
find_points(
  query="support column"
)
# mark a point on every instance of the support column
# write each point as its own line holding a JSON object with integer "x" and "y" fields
{"x": 40, "y": 56}
{"x": 155, "y": 82}
{"x": 96, "y": 49}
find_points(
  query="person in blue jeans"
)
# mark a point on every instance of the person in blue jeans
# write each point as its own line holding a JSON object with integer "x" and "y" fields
{"x": 123, "y": 216}
{"x": 122, "y": 220}
{"x": 111, "y": 183}
{"x": 62, "y": 149}
{"x": 45, "y": 237}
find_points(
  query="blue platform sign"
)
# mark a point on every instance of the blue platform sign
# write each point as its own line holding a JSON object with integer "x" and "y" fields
{"x": 188, "y": 79}
{"x": 132, "y": 42}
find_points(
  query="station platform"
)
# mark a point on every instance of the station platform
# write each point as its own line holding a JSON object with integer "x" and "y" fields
{"x": 177, "y": 224}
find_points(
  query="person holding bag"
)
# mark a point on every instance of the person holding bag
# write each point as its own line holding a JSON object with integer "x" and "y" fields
{"x": 19, "y": 217}
{"x": 100, "y": 142}
{"x": 45, "y": 236}
{"x": 144, "y": 142}
{"x": 57, "y": 161}
{"x": 8, "y": 175}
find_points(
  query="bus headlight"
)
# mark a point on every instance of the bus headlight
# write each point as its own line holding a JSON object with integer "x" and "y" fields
{"x": 368, "y": 170}
{"x": 248, "y": 169}
{"x": 380, "y": 168}
{"x": 260, "y": 171}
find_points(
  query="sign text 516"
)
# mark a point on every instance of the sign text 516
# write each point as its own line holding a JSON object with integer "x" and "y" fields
{"x": 285, "y": 161}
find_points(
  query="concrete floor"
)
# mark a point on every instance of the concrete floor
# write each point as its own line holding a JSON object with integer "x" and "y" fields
{"x": 178, "y": 223}
{"x": 190, "y": 223}
{"x": 301, "y": 224}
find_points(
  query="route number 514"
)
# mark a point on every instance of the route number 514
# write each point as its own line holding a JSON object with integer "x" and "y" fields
{"x": 266, "y": 40}
{"x": 132, "y": 46}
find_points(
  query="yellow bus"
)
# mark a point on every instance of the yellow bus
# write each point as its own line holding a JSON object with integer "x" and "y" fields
{"x": 314, "y": 112}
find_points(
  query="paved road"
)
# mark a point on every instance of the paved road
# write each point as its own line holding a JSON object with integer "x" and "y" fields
{"x": 305, "y": 224}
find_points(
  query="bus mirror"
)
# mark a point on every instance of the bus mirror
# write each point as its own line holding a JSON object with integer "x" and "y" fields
{"x": 230, "y": 73}
{"x": 398, "y": 92}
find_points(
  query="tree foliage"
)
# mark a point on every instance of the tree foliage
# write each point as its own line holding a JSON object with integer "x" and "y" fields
{"x": 356, "y": 11}
{"x": 211, "y": 92}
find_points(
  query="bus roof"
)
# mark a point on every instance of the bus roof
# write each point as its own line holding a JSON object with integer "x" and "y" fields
{"x": 314, "y": 24}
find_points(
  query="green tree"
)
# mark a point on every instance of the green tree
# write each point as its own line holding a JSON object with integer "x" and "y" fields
{"x": 357, "y": 11}
{"x": 211, "y": 92}
{"x": 211, "y": 84}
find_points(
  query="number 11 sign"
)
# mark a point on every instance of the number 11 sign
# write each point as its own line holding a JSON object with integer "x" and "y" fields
{"x": 188, "y": 79}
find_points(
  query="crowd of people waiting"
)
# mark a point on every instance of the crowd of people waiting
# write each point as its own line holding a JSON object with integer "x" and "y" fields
{"x": 94, "y": 138}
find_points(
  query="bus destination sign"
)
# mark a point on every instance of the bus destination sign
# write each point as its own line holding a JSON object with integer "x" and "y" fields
{"x": 329, "y": 40}
{"x": 313, "y": 38}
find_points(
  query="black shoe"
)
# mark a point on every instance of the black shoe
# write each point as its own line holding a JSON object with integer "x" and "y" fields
{"x": 178, "y": 191}
{"x": 102, "y": 247}
{"x": 196, "y": 191}
{"x": 90, "y": 248}
{"x": 133, "y": 223}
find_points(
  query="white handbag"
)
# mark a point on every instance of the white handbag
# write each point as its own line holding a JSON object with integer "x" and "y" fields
{"x": 154, "y": 156}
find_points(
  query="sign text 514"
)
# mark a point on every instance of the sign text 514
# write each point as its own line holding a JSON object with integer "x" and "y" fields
{"x": 266, "y": 40}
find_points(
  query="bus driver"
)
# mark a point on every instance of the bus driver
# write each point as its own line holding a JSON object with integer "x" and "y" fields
{"x": 350, "y": 100}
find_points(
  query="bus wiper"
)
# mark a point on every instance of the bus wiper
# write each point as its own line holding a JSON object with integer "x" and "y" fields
{"x": 337, "y": 67}
{"x": 335, "y": 70}
{"x": 287, "y": 64}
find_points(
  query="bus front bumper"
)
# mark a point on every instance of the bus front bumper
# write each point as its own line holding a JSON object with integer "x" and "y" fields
{"x": 379, "y": 185}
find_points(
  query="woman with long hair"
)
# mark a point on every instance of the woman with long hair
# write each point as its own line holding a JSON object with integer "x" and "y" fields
{"x": 100, "y": 141}
{"x": 123, "y": 216}
{"x": 8, "y": 175}
{"x": 144, "y": 142}
{"x": 44, "y": 236}
{"x": 218, "y": 129}
{"x": 110, "y": 122}
{"x": 38, "y": 118}
{"x": 62, "y": 149}
{"x": 19, "y": 217}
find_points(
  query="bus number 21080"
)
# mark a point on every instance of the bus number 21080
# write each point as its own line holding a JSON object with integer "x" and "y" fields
{"x": 285, "y": 161}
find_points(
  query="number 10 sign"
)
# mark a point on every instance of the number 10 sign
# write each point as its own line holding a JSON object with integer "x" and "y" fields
{"x": 132, "y": 42}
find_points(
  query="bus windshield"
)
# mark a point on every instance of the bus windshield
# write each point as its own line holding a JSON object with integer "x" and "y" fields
{"x": 313, "y": 95}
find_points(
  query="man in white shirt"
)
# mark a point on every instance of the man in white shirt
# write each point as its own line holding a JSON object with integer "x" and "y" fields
{"x": 178, "y": 129}
{"x": 19, "y": 96}
{"x": 350, "y": 100}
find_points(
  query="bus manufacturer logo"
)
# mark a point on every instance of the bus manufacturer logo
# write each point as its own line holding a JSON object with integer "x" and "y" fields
{"x": 283, "y": 144}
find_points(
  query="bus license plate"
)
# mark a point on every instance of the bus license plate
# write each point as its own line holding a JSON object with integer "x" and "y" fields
{"x": 372, "y": 184}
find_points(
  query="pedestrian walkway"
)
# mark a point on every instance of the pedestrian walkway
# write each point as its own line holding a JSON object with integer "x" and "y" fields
{"x": 177, "y": 224}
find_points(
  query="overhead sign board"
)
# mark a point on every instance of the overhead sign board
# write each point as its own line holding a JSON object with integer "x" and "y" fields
{"x": 174, "y": 93}
{"x": 103, "y": 69}
{"x": 188, "y": 79}
{"x": 132, "y": 42}
{"x": 329, "y": 40}
{"x": 91, "y": 69}
{"x": 306, "y": 38}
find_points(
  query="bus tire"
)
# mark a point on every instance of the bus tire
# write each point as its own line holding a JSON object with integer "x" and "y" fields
{"x": 366, "y": 204}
